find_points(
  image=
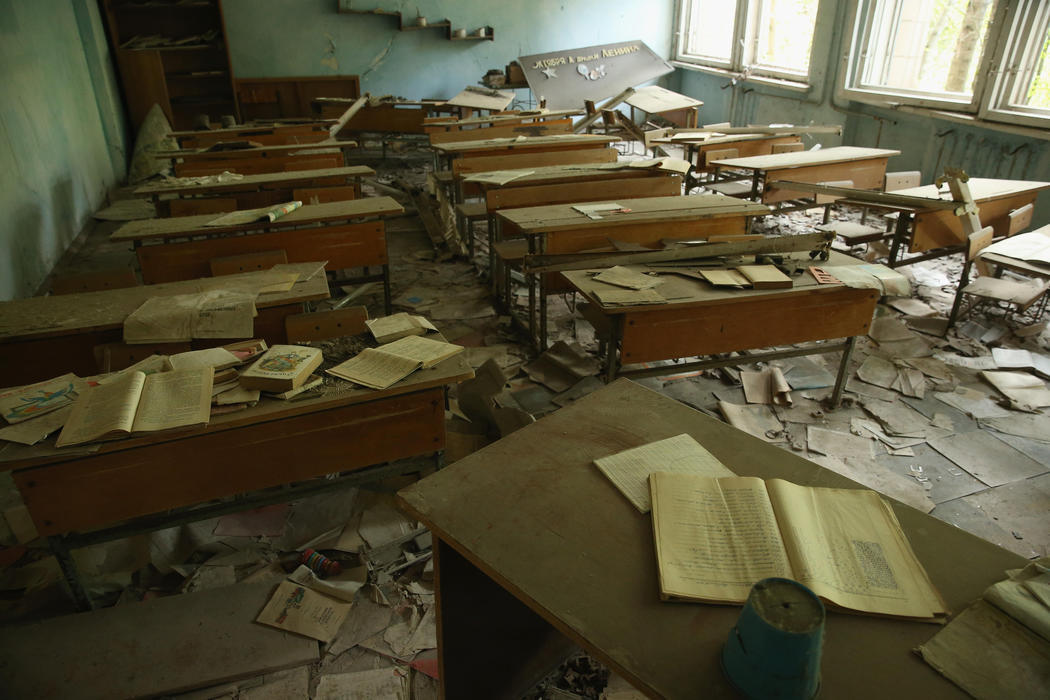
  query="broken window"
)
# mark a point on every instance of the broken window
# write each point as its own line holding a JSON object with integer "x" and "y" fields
{"x": 764, "y": 37}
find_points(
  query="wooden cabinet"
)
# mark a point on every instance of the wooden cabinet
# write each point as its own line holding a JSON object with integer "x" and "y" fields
{"x": 172, "y": 53}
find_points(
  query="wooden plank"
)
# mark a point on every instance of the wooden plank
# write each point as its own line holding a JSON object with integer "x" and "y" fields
{"x": 98, "y": 490}
{"x": 162, "y": 646}
{"x": 323, "y": 195}
{"x": 321, "y": 325}
{"x": 234, "y": 264}
{"x": 182, "y": 227}
{"x": 535, "y": 496}
{"x": 757, "y": 322}
{"x": 482, "y": 164}
{"x": 646, "y": 233}
{"x": 254, "y": 166}
{"x": 390, "y": 118}
{"x": 554, "y": 126}
{"x": 118, "y": 278}
{"x": 512, "y": 197}
{"x": 825, "y": 156}
{"x": 544, "y": 143}
{"x": 303, "y": 178}
{"x": 343, "y": 246}
{"x": 200, "y": 205}
{"x": 869, "y": 174}
{"x": 867, "y": 196}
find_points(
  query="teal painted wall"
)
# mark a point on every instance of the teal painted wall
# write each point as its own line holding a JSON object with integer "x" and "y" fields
{"x": 926, "y": 143}
{"x": 59, "y": 154}
{"x": 269, "y": 38}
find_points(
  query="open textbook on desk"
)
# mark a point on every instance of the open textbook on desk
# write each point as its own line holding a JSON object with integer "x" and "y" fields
{"x": 716, "y": 537}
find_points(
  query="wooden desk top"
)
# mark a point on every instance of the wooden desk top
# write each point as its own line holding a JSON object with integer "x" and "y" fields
{"x": 257, "y": 151}
{"x": 523, "y": 142}
{"x": 506, "y": 118}
{"x": 982, "y": 189}
{"x": 249, "y": 182}
{"x": 683, "y": 292}
{"x": 233, "y": 131}
{"x": 715, "y": 139}
{"x": 181, "y": 226}
{"x": 451, "y": 371}
{"x": 557, "y": 174}
{"x": 562, "y": 217}
{"x": 69, "y": 314}
{"x": 535, "y": 515}
{"x": 801, "y": 159}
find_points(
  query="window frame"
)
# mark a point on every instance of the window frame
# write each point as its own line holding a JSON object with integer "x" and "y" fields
{"x": 744, "y": 45}
{"x": 997, "y": 82}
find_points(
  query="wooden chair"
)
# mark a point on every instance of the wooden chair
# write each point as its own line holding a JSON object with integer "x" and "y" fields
{"x": 1020, "y": 219}
{"x": 1010, "y": 295}
{"x": 94, "y": 281}
{"x": 730, "y": 187}
{"x": 901, "y": 180}
{"x": 322, "y": 325}
{"x": 248, "y": 262}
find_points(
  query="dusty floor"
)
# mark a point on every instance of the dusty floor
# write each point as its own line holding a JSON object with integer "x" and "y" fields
{"x": 988, "y": 475}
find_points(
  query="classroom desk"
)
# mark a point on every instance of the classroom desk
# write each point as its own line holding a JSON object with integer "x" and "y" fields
{"x": 929, "y": 231}
{"x": 438, "y": 124}
{"x": 864, "y": 167}
{"x": 448, "y": 152}
{"x": 43, "y": 337}
{"x": 72, "y": 492}
{"x": 259, "y": 159}
{"x": 561, "y": 229}
{"x": 536, "y": 552}
{"x": 346, "y": 234}
{"x": 251, "y": 191}
{"x": 699, "y": 319}
{"x": 548, "y": 185}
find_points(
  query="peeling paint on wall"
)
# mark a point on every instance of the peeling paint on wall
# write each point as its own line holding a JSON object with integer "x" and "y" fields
{"x": 329, "y": 60}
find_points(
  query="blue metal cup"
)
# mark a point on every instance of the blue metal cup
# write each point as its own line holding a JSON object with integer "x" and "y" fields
{"x": 774, "y": 649}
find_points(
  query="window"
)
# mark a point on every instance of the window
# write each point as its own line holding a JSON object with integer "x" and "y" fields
{"x": 981, "y": 57}
{"x": 764, "y": 37}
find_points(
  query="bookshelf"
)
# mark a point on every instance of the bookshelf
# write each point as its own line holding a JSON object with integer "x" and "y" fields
{"x": 172, "y": 53}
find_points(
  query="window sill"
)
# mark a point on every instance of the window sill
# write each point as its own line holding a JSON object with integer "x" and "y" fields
{"x": 796, "y": 85}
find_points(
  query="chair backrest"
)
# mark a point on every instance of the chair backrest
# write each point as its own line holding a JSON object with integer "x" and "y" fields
{"x": 1020, "y": 219}
{"x": 248, "y": 262}
{"x": 721, "y": 154}
{"x": 94, "y": 281}
{"x": 788, "y": 147}
{"x": 903, "y": 180}
{"x": 976, "y": 242}
{"x": 829, "y": 198}
{"x": 321, "y": 325}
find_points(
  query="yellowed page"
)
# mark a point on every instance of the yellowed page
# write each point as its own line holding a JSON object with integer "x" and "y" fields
{"x": 297, "y": 609}
{"x": 387, "y": 329}
{"x": 629, "y": 470}
{"x": 375, "y": 369}
{"x": 103, "y": 410}
{"x": 715, "y": 538}
{"x": 427, "y": 351}
{"x": 847, "y": 546}
{"x": 225, "y": 314}
{"x": 175, "y": 399}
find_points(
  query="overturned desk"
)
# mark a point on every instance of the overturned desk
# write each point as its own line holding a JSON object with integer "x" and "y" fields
{"x": 42, "y": 337}
{"x": 148, "y": 481}
{"x": 698, "y": 320}
{"x": 346, "y": 234}
{"x": 537, "y": 552}
{"x": 864, "y": 167}
{"x": 644, "y": 222}
{"x": 228, "y": 193}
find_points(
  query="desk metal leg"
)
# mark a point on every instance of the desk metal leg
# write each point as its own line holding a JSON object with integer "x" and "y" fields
{"x": 900, "y": 233}
{"x": 612, "y": 348}
{"x": 388, "y": 303}
{"x": 80, "y": 596}
{"x": 840, "y": 380}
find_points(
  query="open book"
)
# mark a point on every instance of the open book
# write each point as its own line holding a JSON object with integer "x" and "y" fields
{"x": 135, "y": 402}
{"x": 378, "y": 368}
{"x": 716, "y": 537}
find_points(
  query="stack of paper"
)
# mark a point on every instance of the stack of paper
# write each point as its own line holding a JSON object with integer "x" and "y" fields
{"x": 625, "y": 277}
{"x": 216, "y": 313}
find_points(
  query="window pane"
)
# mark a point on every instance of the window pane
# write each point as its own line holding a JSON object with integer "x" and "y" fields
{"x": 785, "y": 34}
{"x": 710, "y": 30}
{"x": 1038, "y": 92}
{"x": 931, "y": 46}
